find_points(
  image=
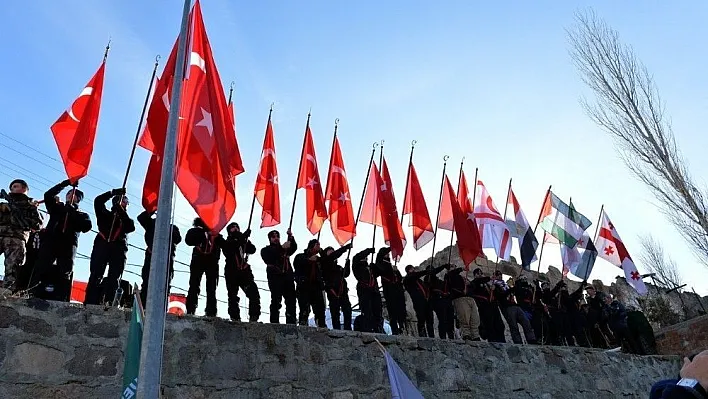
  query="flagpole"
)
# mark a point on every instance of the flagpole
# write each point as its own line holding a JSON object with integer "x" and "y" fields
{"x": 334, "y": 140}
{"x": 408, "y": 181}
{"x": 253, "y": 201}
{"x": 437, "y": 219}
{"x": 506, "y": 207}
{"x": 452, "y": 236}
{"x": 363, "y": 194}
{"x": 154, "y": 328}
{"x": 373, "y": 236}
{"x": 597, "y": 230}
{"x": 297, "y": 181}
{"x": 540, "y": 213}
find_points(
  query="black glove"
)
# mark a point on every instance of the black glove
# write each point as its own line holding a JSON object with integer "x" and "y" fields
{"x": 347, "y": 263}
{"x": 118, "y": 191}
{"x": 370, "y": 250}
{"x": 247, "y": 233}
{"x": 448, "y": 266}
{"x": 67, "y": 183}
{"x": 347, "y": 246}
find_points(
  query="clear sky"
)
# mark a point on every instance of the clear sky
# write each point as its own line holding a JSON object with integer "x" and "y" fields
{"x": 491, "y": 83}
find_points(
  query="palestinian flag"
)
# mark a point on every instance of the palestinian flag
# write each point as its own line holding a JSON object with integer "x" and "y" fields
{"x": 562, "y": 221}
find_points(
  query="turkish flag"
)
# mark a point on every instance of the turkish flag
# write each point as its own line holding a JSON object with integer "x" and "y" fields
{"x": 469, "y": 244}
{"x": 75, "y": 130}
{"x": 267, "y": 189}
{"x": 414, "y": 205}
{"x": 151, "y": 186}
{"x": 207, "y": 156}
{"x": 380, "y": 195}
{"x": 341, "y": 214}
{"x": 310, "y": 181}
{"x": 78, "y": 291}
{"x": 177, "y": 304}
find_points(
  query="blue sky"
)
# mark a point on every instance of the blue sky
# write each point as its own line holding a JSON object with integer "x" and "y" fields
{"x": 492, "y": 83}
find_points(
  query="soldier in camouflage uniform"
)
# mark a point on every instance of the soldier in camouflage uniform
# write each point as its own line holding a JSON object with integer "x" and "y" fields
{"x": 18, "y": 216}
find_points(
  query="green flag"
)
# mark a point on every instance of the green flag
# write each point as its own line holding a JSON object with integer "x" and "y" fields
{"x": 131, "y": 366}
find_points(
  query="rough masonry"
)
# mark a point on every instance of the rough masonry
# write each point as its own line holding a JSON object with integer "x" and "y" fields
{"x": 57, "y": 350}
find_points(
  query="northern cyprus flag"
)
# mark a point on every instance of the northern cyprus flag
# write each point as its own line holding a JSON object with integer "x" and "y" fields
{"x": 611, "y": 248}
{"x": 492, "y": 227}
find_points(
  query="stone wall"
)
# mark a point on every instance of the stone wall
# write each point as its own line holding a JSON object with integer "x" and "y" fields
{"x": 66, "y": 351}
{"x": 684, "y": 338}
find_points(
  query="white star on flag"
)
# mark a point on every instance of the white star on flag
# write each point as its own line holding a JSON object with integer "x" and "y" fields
{"x": 206, "y": 121}
{"x": 383, "y": 187}
{"x": 311, "y": 182}
{"x": 470, "y": 216}
{"x": 343, "y": 197}
{"x": 273, "y": 179}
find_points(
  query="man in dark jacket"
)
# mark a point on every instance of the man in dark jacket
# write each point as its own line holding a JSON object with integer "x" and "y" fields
{"x": 310, "y": 285}
{"x": 281, "y": 282}
{"x": 110, "y": 246}
{"x": 511, "y": 311}
{"x": 205, "y": 261}
{"x": 616, "y": 315}
{"x": 419, "y": 291}
{"x": 335, "y": 280}
{"x": 482, "y": 290}
{"x": 146, "y": 220}
{"x": 18, "y": 216}
{"x": 393, "y": 291}
{"x": 441, "y": 301}
{"x": 367, "y": 289}
{"x": 238, "y": 273}
{"x": 60, "y": 241}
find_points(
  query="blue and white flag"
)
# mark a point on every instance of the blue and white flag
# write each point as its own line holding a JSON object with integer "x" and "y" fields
{"x": 401, "y": 386}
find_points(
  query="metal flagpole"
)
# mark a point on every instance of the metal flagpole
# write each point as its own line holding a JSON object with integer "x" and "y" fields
{"x": 506, "y": 208}
{"x": 597, "y": 230}
{"x": 363, "y": 196}
{"x": 408, "y": 181}
{"x": 378, "y": 200}
{"x": 299, "y": 169}
{"x": 154, "y": 328}
{"x": 253, "y": 201}
{"x": 452, "y": 235}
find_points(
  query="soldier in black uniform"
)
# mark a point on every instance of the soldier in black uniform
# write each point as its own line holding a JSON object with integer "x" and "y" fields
{"x": 205, "y": 261}
{"x": 394, "y": 294}
{"x": 419, "y": 291}
{"x": 482, "y": 290}
{"x": 281, "y": 282}
{"x": 60, "y": 241}
{"x": 367, "y": 289}
{"x": 310, "y": 285}
{"x": 110, "y": 246}
{"x": 238, "y": 273}
{"x": 335, "y": 280}
{"x": 146, "y": 220}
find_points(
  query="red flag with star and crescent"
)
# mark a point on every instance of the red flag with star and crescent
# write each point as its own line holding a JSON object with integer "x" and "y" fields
{"x": 469, "y": 244}
{"x": 267, "y": 190}
{"x": 75, "y": 130}
{"x": 381, "y": 203}
{"x": 611, "y": 248}
{"x": 341, "y": 214}
{"x": 310, "y": 181}
{"x": 414, "y": 205}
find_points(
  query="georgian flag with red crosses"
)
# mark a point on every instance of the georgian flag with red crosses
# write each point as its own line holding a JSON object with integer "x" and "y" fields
{"x": 611, "y": 248}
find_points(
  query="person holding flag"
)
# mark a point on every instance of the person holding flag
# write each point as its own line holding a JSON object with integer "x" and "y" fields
{"x": 238, "y": 273}
{"x": 110, "y": 247}
{"x": 146, "y": 220}
{"x": 207, "y": 245}
{"x": 281, "y": 281}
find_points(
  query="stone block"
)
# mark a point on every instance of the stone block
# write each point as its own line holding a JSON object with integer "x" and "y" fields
{"x": 8, "y": 316}
{"x": 95, "y": 361}
{"x": 34, "y": 359}
{"x": 102, "y": 330}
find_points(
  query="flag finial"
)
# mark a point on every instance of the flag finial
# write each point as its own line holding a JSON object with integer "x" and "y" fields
{"x": 157, "y": 59}
{"x": 108, "y": 47}
{"x": 413, "y": 143}
{"x": 445, "y": 158}
{"x": 376, "y": 144}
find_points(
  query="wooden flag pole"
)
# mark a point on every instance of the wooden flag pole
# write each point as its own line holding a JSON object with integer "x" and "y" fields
{"x": 452, "y": 236}
{"x": 378, "y": 200}
{"x": 437, "y": 219}
{"x": 253, "y": 201}
{"x": 363, "y": 194}
{"x": 297, "y": 181}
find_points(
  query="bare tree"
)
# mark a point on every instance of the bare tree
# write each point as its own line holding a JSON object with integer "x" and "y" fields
{"x": 656, "y": 261}
{"x": 628, "y": 107}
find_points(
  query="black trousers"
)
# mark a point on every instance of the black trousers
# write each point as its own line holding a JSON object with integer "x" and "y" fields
{"x": 491, "y": 322}
{"x": 396, "y": 306}
{"x": 424, "y": 313}
{"x": 145, "y": 274}
{"x": 339, "y": 302}
{"x": 51, "y": 251}
{"x": 282, "y": 287}
{"x": 446, "y": 317}
{"x": 311, "y": 296}
{"x": 371, "y": 308}
{"x": 196, "y": 271}
{"x": 242, "y": 279}
{"x": 105, "y": 254}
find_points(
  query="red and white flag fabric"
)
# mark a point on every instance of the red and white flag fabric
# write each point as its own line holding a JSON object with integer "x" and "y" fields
{"x": 415, "y": 206}
{"x": 341, "y": 214}
{"x": 310, "y": 181}
{"x": 75, "y": 130}
{"x": 611, "y": 248}
{"x": 78, "y": 291}
{"x": 267, "y": 189}
{"x": 177, "y": 304}
{"x": 381, "y": 210}
{"x": 492, "y": 229}
{"x": 151, "y": 185}
{"x": 468, "y": 241}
